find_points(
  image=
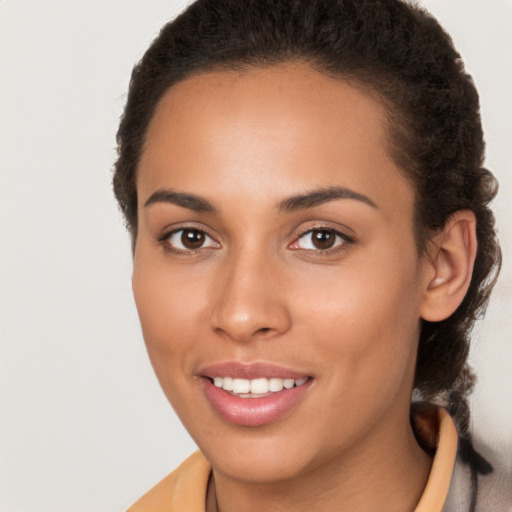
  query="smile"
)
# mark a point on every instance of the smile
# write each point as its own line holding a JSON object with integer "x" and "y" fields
{"x": 256, "y": 388}
{"x": 253, "y": 394}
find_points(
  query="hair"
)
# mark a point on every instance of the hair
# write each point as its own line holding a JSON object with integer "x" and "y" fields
{"x": 393, "y": 49}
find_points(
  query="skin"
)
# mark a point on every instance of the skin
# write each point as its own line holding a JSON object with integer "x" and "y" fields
{"x": 349, "y": 316}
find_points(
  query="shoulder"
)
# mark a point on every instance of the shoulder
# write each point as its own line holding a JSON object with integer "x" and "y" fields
{"x": 494, "y": 490}
{"x": 436, "y": 433}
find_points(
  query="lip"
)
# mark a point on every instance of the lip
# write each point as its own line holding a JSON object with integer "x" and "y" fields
{"x": 252, "y": 412}
{"x": 241, "y": 370}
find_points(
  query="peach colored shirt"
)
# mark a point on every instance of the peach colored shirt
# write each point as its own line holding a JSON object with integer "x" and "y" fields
{"x": 184, "y": 490}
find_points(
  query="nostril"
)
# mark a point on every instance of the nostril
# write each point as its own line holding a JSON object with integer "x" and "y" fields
{"x": 263, "y": 330}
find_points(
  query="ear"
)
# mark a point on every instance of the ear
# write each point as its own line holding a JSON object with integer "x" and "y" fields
{"x": 450, "y": 258}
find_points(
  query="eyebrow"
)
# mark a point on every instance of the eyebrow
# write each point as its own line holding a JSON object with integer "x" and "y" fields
{"x": 189, "y": 201}
{"x": 288, "y": 205}
{"x": 321, "y": 196}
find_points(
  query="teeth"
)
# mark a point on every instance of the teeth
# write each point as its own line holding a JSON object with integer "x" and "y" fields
{"x": 259, "y": 386}
{"x": 241, "y": 386}
{"x": 227, "y": 383}
{"x": 288, "y": 383}
{"x": 275, "y": 384}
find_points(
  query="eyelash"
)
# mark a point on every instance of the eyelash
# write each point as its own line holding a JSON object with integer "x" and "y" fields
{"x": 165, "y": 240}
{"x": 346, "y": 241}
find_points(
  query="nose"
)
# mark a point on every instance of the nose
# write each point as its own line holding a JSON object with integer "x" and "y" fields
{"x": 250, "y": 299}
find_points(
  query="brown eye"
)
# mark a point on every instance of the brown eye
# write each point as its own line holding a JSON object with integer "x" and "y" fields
{"x": 321, "y": 239}
{"x": 189, "y": 239}
{"x": 192, "y": 238}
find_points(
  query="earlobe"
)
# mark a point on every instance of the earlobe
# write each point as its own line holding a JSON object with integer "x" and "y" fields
{"x": 450, "y": 259}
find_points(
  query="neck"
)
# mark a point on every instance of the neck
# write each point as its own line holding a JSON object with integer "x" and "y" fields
{"x": 386, "y": 471}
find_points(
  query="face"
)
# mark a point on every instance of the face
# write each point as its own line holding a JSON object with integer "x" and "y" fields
{"x": 276, "y": 273}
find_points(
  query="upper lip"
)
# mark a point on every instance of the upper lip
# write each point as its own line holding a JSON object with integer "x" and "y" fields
{"x": 250, "y": 370}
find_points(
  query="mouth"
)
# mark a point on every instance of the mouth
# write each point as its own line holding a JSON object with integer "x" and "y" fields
{"x": 256, "y": 388}
{"x": 254, "y": 394}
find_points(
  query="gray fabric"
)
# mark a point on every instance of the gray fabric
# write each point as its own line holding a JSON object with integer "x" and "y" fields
{"x": 494, "y": 490}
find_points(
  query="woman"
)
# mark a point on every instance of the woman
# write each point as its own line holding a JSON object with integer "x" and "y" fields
{"x": 304, "y": 188}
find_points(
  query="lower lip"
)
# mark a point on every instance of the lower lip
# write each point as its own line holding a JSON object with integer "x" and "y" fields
{"x": 253, "y": 412}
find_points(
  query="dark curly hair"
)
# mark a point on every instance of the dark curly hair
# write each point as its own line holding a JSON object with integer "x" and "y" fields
{"x": 399, "y": 52}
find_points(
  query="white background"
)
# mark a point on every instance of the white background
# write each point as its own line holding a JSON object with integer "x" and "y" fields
{"x": 83, "y": 423}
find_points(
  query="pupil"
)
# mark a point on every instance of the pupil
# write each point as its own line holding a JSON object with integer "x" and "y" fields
{"x": 192, "y": 239}
{"x": 323, "y": 239}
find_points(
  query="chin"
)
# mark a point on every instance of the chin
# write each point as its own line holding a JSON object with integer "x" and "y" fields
{"x": 259, "y": 466}
{"x": 259, "y": 456}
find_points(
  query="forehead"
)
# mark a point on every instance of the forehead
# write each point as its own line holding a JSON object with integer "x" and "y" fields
{"x": 287, "y": 126}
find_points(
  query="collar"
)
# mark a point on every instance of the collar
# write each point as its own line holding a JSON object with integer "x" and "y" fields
{"x": 438, "y": 483}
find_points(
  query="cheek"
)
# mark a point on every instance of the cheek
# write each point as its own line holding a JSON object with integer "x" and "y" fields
{"x": 364, "y": 332}
{"x": 170, "y": 312}
{"x": 366, "y": 318}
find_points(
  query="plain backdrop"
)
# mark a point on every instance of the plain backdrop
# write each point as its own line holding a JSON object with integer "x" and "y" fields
{"x": 83, "y": 423}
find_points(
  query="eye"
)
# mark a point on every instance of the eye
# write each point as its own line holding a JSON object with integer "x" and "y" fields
{"x": 320, "y": 239}
{"x": 189, "y": 239}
